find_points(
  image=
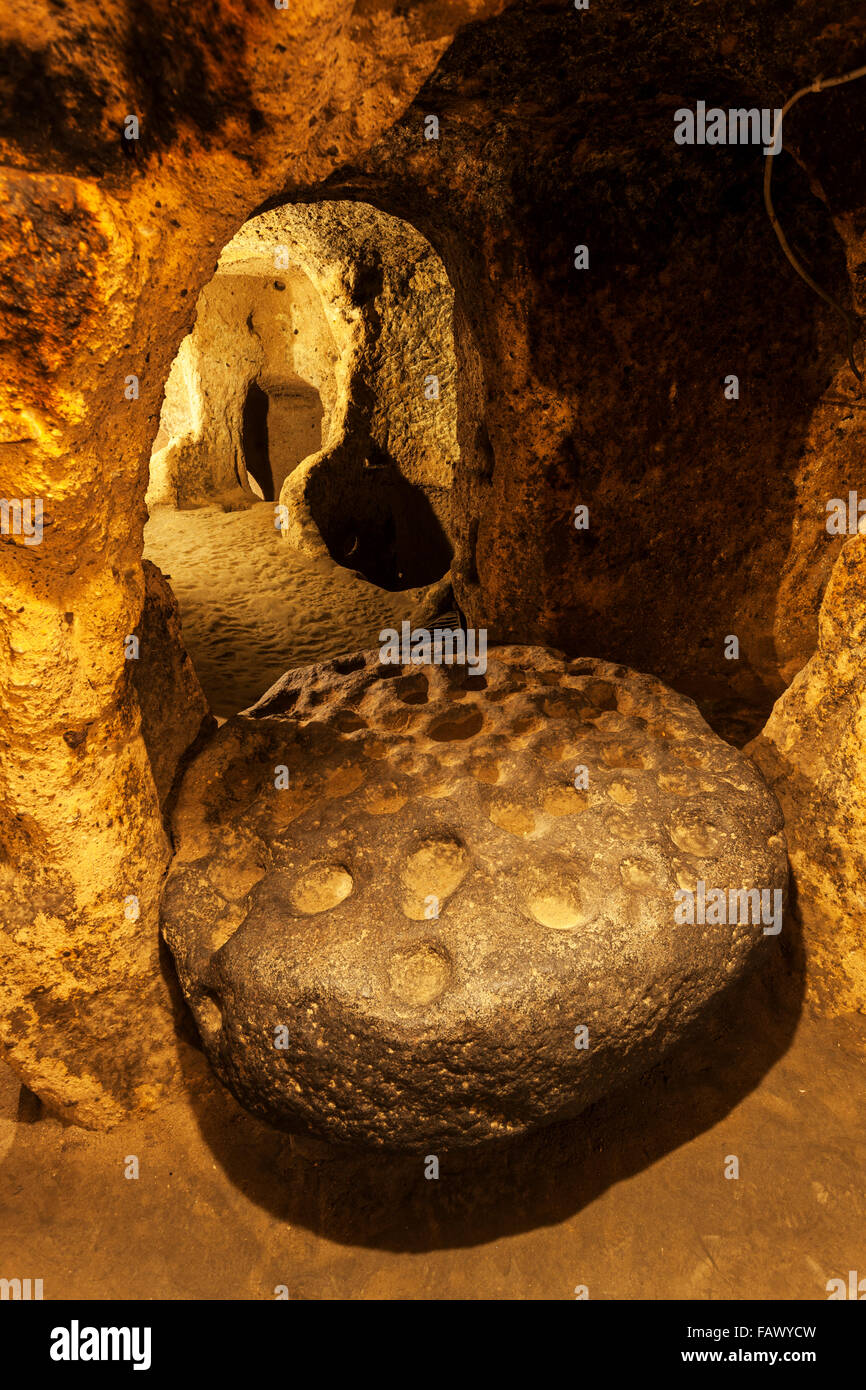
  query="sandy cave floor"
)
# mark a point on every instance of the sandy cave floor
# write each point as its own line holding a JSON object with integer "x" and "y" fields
{"x": 252, "y": 606}
{"x": 630, "y": 1200}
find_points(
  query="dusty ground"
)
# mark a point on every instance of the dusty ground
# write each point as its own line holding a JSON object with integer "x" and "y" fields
{"x": 631, "y": 1200}
{"x": 252, "y": 606}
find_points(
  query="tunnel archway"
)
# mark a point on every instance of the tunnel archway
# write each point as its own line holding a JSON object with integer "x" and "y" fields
{"x": 301, "y": 490}
{"x": 251, "y": 393}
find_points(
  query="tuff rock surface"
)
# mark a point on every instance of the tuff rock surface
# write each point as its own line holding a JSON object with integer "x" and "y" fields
{"x": 605, "y": 387}
{"x": 250, "y": 393}
{"x": 393, "y": 904}
{"x": 165, "y": 680}
{"x": 813, "y": 754}
{"x": 320, "y": 371}
{"x": 105, "y": 243}
{"x": 378, "y": 496}
{"x": 601, "y": 387}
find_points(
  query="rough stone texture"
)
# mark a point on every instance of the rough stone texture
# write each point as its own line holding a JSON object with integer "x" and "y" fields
{"x": 423, "y": 790}
{"x": 378, "y": 497}
{"x": 250, "y": 393}
{"x": 813, "y": 754}
{"x": 164, "y": 679}
{"x": 605, "y": 387}
{"x": 105, "y": 244}
{"x": 253, "y": 607}
{"x": 599, "y": 387}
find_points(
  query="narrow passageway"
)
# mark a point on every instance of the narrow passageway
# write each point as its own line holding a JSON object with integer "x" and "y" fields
{"x": 300, "y": 483}
{"x": 253, "y": 606}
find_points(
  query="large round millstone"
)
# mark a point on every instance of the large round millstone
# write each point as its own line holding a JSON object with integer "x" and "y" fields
{"x": 401, "y": 918}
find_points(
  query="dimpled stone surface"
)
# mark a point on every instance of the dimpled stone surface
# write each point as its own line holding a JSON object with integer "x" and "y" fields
{"x": 430, "y": 908}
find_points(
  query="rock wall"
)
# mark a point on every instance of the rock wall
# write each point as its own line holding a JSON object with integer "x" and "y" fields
{"x": 257, "y": 338}
{"x": 105, "y": 242}
{"x": 605, "y": 386}
{"x": 164, "y": 679}
{"x": 379, "y": 495}
{"x": 341, "y": 305}
{"x": 600, "y": 387}
{"x": 813, "y": 755}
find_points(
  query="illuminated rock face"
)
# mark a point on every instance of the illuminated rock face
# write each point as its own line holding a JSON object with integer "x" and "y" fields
{"x": 600, "y": 386}
{"x": 250, "y": 392}
{"x": 422, "y": 905}
{"x": 165, "y": 680}
{"x": 813, "y": 756}
{"x": 321, "y": 373}
{"x": 105, "y": 243}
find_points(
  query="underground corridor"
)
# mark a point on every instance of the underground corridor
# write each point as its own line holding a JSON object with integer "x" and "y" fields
{"x": 524, "y": 965}
{"x": 300, "y": 493}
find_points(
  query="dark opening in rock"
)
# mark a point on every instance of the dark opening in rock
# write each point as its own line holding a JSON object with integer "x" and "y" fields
{"x": 255, "y": 441}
